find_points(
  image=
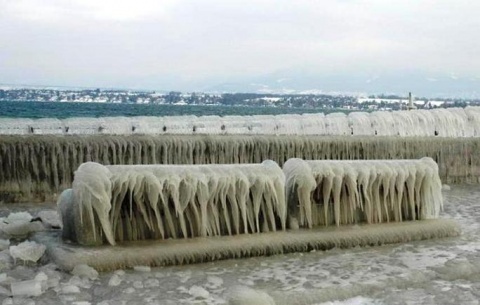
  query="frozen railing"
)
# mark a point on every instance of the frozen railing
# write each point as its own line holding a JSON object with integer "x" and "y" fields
{"x": 109, "y": 204}
{"x": 450, "y": 122}
{"x": 328, "y": 192}
{"x": 135, "y": 202}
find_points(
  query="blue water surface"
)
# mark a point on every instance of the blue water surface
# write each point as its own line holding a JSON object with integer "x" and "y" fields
{"x": 65, "y": 110}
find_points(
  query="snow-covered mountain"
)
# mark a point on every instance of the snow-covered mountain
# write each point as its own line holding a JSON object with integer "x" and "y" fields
{"x": 316, "y": 82}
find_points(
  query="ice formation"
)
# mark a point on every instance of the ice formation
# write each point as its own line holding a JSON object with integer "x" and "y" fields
{"x": 326, "y": 192}
{"x": 4, "y": 244}
{"x": 27, "y": 288}
{"x": 123, "y": 203}
{"x": 116, "y": 203}
{"x": 37, "y": 168}
{"x": 19, "y": 225}
{"x": 27, "y": 251}
{"x": 86, "y": 271}
{"x": 243, "y": 295}
{"x": 449, "y": 122}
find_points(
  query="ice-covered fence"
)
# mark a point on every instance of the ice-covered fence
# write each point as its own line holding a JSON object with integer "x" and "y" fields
{"x": 46, "y": 126}
{"x": 136, "y": 202}
{"x": 450, "y": 122}
{"x": 473, "y": 118}
{"x": 82, "y": 126}
{"x": 373, "y": 191}
{"x": 11, "y": 126}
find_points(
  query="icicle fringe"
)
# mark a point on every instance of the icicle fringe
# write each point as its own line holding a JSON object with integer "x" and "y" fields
{"x": 38, "y": 168}
{"x": 120, "y": 203}
{"x": 129, "y": 203}
{"x": 329, "y": 192}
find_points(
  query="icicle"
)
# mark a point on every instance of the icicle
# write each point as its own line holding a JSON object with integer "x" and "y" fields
{"x": 367, "y": 190}
{"x": 299, "y": 184}
{"x": 92, "y": 195}
{"x": 137, "y": 201}
{"x": 337, "y": 188}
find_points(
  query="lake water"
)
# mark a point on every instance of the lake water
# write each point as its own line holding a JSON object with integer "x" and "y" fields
{"x": 59, "y": 110}
{"x": 442, "y": 271}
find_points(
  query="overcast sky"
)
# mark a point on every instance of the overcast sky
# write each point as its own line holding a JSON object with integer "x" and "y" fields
{"x": 190, "y": 45}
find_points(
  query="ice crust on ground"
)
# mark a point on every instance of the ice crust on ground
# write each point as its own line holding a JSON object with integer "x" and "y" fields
{"x": 443, "y": 271}
{"x": 372, "y": 191}
{"x": 122, "y": 203}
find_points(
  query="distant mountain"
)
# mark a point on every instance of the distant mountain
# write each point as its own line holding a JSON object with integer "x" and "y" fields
{"x": 302, "y": 81}
{"x": 399, "y": 83}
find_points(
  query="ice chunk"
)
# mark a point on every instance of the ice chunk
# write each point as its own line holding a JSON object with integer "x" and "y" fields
{"x": 4, "y": 291}
{"x": 42, "y": 278}
{"x": 27, "y": 288}
{"x": 115, "y": 280}
{"x": 20, "y": 216}
{"x": 19, "y": 225}
{"x": 4, "y": 244}
{"x": 80, "y": 282}
{"x": 215, "y": 281}
{"x": 446, "y": 187}
{"x": 85, "y": 271}
{"x": 19, "y": 301}
{"x": 198, "y": 292}
{"x": 27, "y": 251}
{"x": 51, "y": 219}
{"x": 129, "y": 290}
{"x": 242, "y": 295}
{"x": 54, "y": 276}
{"x": 138, "y": 284}
{"x": 70, "y": 289}
{"x": 120, "y": 272}
{"x": 150, "y": 283}
{"x": 5, "y": 260}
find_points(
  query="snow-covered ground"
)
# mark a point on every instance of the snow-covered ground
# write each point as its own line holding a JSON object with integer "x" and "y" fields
{"x": 445, "y": 271}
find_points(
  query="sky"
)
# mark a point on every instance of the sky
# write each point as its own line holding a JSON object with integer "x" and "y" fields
{"x": 209, "y": 45}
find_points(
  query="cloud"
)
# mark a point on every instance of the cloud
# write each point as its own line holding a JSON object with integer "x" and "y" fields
{"x": 158, "y": 43}
{"x": 93, "y": 10}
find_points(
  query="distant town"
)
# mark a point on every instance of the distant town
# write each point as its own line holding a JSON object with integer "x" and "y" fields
{"x": 309, "y": 101}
